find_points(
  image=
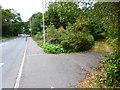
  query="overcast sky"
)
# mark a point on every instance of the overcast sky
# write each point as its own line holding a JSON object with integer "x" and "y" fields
{"x": 25, "y": 7}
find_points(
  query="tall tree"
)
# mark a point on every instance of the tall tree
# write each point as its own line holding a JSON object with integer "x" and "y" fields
{"x": 62, "y": 13}
{"x": 35, "y": 21}
{"x": 11, "y": 22}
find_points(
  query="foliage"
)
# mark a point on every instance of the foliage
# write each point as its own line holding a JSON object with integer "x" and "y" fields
{"x": 26, "y": 27}
{"x": 85, "y": 25}
{"x": 108, "y": 77}
{"x": 99, "y": 46}
{"x": 97, "y": 30}
{"x": 107, "y": 13}
{"x": 71, "y": 41}
{"x": 11, "y": 23}
{"x": 62, "y": 13}
{"x": 112, "y": 43}
{"x": 73, "y": 29}
{"x": 51, "y": 48}
{"x": 38, "y": 36}
{"x": 35, "y": 21}
{"x": 111, "y": 75}
{"x": 78, "y": 42}
{"x": 53, "y": 35}
{"x": 5, "y": 38}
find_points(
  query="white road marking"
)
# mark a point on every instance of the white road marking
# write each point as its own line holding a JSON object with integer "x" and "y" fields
{"x": 17, "y": 83}
{"x": 1, "y": 64}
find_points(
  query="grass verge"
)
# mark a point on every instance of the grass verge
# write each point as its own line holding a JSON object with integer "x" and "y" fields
{"x": 6, "y": 38}
{"x": 99, "y": 46}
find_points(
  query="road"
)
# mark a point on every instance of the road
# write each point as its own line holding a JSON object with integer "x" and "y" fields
{"x": 12, "y": 54}
{"x": 43, "y": 70}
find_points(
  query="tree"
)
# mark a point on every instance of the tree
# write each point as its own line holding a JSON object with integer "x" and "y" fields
{"x": 107, "y": 13}
{"x": 11, "y": 22}
{"x": 36, "y": 22}
{"x": 62, "y": 13}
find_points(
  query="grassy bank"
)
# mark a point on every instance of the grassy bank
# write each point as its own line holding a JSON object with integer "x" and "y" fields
{"x": 102, "y": 46}
{"x": 6, "y": 38}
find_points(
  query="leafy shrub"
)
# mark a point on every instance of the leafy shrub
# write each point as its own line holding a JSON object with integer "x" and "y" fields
{"x": 39, "y": 36}
{"x": 94, "y": 28}
{"x": 53, "y": 35}
{"x": 50, "y": 48}
{"x": 55, "y": 49}
{"x": 71, "y": 40}
{"x": 77, "y": 42}
{"x": 40, "y": 43}
{"x": 111, "y": 75}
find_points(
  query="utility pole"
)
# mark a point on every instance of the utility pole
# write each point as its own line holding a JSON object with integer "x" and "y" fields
{"x": 43, "y": 22}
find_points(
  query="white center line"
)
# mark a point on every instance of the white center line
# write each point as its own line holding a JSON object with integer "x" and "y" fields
{"x": 21, "y": 69}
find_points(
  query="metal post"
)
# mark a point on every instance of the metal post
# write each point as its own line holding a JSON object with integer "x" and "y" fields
{"x": 43, "y": 22}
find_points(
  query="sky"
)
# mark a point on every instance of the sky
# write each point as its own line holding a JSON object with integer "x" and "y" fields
{"x": 25, "y": 7}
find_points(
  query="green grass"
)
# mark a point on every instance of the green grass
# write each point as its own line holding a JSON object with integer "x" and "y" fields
{"x": 6, "y": 38}
{"x": 111, "y": 46}
{"x": 3, "y": 38}
{"x": 99, "y": 46}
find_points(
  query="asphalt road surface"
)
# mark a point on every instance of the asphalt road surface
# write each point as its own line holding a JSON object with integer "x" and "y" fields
{"x": 12, "y": 54}
{"x": 43, "y": 70}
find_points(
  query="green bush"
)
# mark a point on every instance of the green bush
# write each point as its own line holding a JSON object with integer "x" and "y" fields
{"x": 71, "y": 40}
{"x": 53, "y": 35}
{"x": 50, "y": 48}
{"x": 39, "y": 36}
{"x": 111, "y": 75}
{"x": 77, "y": 42}
{"x": 54, "y": 49}
{"x": 40, "y": 43}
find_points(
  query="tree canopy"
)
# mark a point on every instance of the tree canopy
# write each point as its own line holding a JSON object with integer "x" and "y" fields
{"x": 11, "y": 22}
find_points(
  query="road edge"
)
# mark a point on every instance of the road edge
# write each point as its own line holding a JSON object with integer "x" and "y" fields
{"x": 17, "y": 82}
